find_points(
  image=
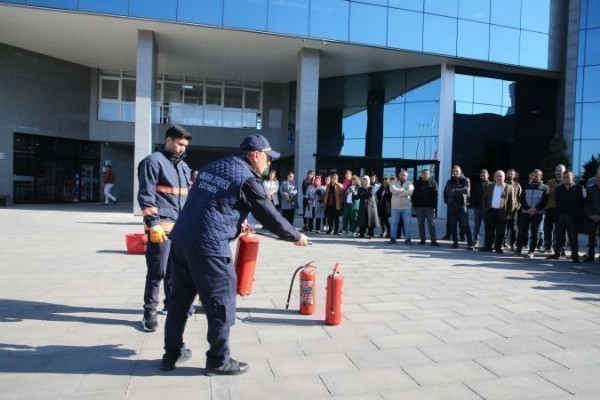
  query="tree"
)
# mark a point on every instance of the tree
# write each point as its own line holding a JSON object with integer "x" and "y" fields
{"x": 556, "y": 154}
{"x": 590, "y": 167}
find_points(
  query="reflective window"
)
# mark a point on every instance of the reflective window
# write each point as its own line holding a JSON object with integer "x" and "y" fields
{"x": 591, "y": 84}
{"x": 421, "y": 119}
{"x": 329, "y": 19}
{"x": 534, "y": 49}
{"x": 14, "y": 1}
{"x": 579, "y": 87}
{"x": 577, "y": 129}
{"x": 463, "y": 107}
{"x": 487, "y": 90}
{"x": 393, "y": 148}
{"x": 481, "y": 95}
{"x": 428, "y": 91}
{"x": 109, "y": 89}
{"x": 249, "y": 14}
{"x": 506, "y": 12}
{"x": 535, "y": 15}
{"x": 288, "y": 16}
{"x": 593, "y": 13}
{"x": 477, "y": 10}
{"x": 592, "y": 47}
{"x": 65, "y": 4}
{"x": 463, "y": 88}
{"x": 368, "y": 24}
{"x": 156, "y": 9}
{"x": 589, "y": 148}
{"x": 473, "y": 39}
{"x": 415, "y": 5}
{"x": 251, "y": 109}
{"x": 377, "y": 2}
{"x": 207, "y": 12}
{"x": 590, "y": 121}
{"x": 439, "y": 35}
{"x": 354, "y": 130}
{"x": 128, "y": 90}
{"x": 504, "y": 45}
{"x": 445, "y": 7}
{"x": 581, "y": 52}
{"x": 393, "y": 120}
{"x": 405, "y": 29}
{"x": 104, "y": 6}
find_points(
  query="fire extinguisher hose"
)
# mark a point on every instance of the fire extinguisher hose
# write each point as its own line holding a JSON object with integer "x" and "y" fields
{"x": 287, "y": 304}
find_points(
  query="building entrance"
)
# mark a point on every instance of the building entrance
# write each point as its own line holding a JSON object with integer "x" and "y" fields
{"x": 53, "y": 170}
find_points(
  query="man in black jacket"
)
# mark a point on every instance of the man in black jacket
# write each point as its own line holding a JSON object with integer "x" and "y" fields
{"x": 424, "y": 202}
{"x": 570, "y": 202}
{"x": 456, "y": 196}
{"x": 534, "y": 198}
{"x": 477, "y": 190}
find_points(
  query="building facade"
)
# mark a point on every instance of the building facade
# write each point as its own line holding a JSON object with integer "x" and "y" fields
{"x": 368, "y": 84}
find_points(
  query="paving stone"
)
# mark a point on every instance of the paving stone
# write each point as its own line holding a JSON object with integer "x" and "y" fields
{"x": 405, "y": 340}
{"x": 520, "y": 387}
{"x": 519, "y": 364}
{"x": 587, "y": 356}
{"x": 388, "y": 358}
{"x": 575, "y": 381}
{"x": 371, "y": 381}
{"x": 520, "y": 344}
{"x": 442, "y": 392}
{"x": 458, "y": 351}
{"x": 465, "y": 335}
{"x": 307, "y": 365}
{"x": 450, "y": 372}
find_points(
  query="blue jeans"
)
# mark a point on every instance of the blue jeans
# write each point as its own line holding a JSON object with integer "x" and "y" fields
{"x": 406, "y": 215}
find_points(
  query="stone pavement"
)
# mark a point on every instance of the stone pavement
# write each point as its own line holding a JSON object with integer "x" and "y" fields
{"x": 420, "y": 322}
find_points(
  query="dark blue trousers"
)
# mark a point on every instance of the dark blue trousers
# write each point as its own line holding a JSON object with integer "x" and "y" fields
{"x": 457, "y": 215}
{"x": 158, "y": 269}
{"x": 214, "y": 279}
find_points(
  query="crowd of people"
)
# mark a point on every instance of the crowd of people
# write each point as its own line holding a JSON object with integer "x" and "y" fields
{"x": 508, "y": 215}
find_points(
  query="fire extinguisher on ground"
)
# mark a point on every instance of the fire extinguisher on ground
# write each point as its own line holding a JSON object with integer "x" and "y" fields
{"x": 333, "y": 304}
{"x": 308, "y": 279}
{"x": 245, "y": 262}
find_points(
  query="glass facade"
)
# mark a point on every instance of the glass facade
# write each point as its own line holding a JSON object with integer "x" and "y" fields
{"x": 49, "y": 169}
{"x": 188, "y": 101}
{"x": 501, "y": 123}
{"x": 586, "y": 140}
{"x": 506, "y": 31}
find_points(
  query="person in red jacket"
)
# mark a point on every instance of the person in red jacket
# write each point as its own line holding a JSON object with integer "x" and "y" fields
{"x": 109, "y": 183}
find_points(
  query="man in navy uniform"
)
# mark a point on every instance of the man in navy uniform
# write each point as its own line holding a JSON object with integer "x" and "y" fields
{"x": 219, "y": 201}
{"x": 164, "y": 181}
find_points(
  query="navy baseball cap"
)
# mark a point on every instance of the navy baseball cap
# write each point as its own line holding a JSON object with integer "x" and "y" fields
{"x": 259, "y": 143}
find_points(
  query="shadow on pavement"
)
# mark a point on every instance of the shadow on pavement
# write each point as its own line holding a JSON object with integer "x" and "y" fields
{"x": 108, "y": 359}
{"x": 20, "y": 310}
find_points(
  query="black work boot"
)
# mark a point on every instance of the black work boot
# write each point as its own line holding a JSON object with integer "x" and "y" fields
{"x": 149, "y": 322}
{"x": 170, "y": 359}
{"x": 231, "y": 367}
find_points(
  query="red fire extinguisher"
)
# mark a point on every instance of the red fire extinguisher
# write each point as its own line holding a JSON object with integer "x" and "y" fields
{"x": 245, "y": 262}
{"x": 333, "y": 304}
{"x": 308, "y": 280}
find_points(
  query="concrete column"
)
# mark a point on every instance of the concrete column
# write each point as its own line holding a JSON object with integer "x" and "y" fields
{"x": 374, "y": 142}
{"x": 307, "y": 107}
{"x": 446, "y": 131}
{"x": 567, "y": 89}
{"x": 144, "y": 90}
